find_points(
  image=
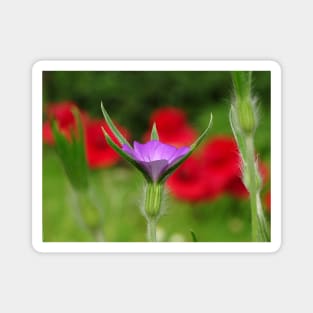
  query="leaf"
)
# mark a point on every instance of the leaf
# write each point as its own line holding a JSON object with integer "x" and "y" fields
{"x": 154, "y": 133}
{"x": 193, "y": 235}
{"x": 202, "y": 136}
{"x": 115, "y": 131}
{"x": 124, "y": 155}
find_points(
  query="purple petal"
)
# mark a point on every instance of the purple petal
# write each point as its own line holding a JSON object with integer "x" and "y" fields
{"x": 178, "y": 155}
{"x": 154, "y": 150}
{"x": 145, "y": 151}
{"x": 164, "y": 152}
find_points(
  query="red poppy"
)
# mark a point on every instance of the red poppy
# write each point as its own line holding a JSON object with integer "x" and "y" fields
{"x": 206, "y": 177}
{"x": 62, "y": 113}
{"x": 237, "y": 188}
{"x": 222, "y": 159}
{"x": 99, "y": 153}
{"x": 215, "y": 170}
{"x": 191, "y": 182}
{"x": 172, "y": 127}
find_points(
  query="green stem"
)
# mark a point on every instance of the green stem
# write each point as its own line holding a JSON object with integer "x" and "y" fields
{"x": 258, "y": 222}
{"x": 151, "y": 225}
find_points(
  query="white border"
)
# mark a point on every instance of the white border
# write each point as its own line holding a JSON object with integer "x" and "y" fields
{"x": 142, "y": 247}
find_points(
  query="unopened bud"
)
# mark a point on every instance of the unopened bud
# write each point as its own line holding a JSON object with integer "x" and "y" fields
{"x": 246, "y": 116}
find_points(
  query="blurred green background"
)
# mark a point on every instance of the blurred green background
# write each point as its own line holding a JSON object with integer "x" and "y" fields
{"x": 130, "y": 98}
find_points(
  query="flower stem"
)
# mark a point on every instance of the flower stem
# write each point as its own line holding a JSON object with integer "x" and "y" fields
{"x": 151, "y": 225}
{"x": 258, "y": 222}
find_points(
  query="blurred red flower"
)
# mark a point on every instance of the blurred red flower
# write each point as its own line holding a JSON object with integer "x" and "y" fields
{"x": 222, "y": 159}
{"x": 99, "y": 153}
{"x": 191, "y": 182}
{"x": 172, "y": 127}
{"x": 62, "y": 113}
{"x": 204, "y": 176}
{"x": 215, "y": 170}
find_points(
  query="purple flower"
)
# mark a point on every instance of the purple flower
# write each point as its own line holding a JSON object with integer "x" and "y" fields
{"x": 155, "y": 157}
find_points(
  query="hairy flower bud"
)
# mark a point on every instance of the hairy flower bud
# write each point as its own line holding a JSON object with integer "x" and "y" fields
{"x": 153, "y": 200}
{"x": 246, "y": 116}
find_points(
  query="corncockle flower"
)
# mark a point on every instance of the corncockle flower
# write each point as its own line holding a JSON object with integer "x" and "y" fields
{"x": 156, "y": 161}
{"x": 155, "y": 157}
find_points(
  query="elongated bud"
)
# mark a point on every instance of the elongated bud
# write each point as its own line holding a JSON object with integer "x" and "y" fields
{"x": 72, "y": 153}
{"x": 153, "y": 200}
{"x": 244, "y": 106}
{"x": 246, "y": 116}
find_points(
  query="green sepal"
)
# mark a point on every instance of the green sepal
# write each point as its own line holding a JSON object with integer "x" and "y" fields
{"x": 124, "y": 155}
{"x": 202, "y": 136}
{"x": 154, "y": 133}
{"x": 192, "y": 148}
{"x": 113, "y": 128}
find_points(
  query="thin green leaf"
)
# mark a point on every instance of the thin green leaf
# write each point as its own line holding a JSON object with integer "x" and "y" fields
{"x": 193, "y": 236}
{"x": 115, "y": 131}
{"x": 154, "y": 133}
{"x": 124, "y": 155}
{"x": 202, "y": 136}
